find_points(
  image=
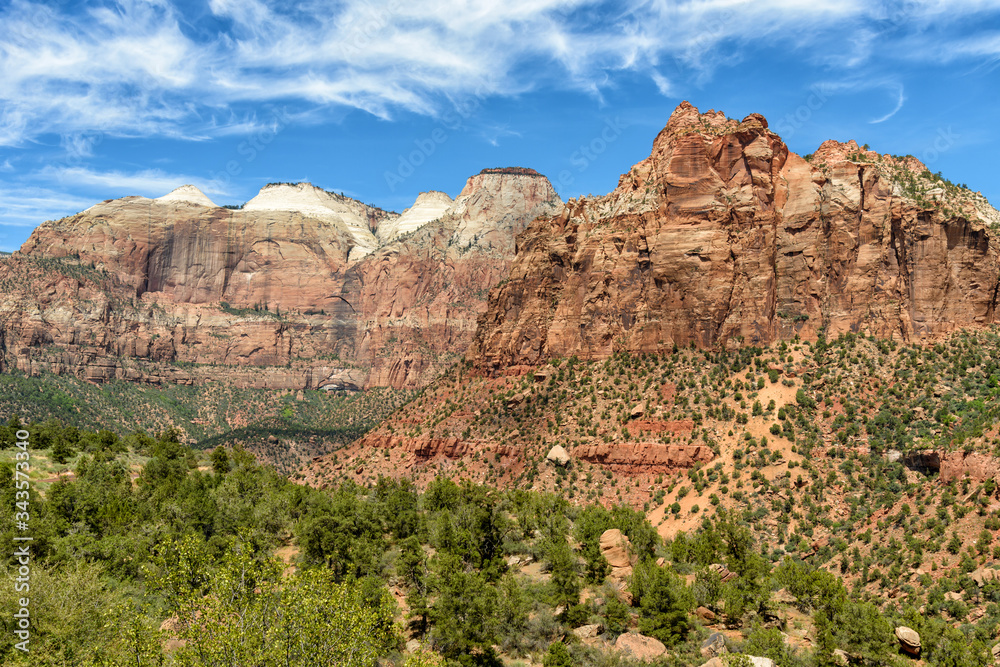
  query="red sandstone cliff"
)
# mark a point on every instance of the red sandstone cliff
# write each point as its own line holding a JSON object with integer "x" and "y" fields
{"x": 724, "y": 235}
{"x": 293, "y": 291}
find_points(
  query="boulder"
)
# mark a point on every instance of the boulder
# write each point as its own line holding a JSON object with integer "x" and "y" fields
{"x": 724, "y": 572}
{"x": 909, "y": 640}
{"x": 638, "y": 411}
{"x": 983, "y": 575}
{"x": 588, "y": 631}
{"x": 840, "y": 657}
{"x": 756, "y": 661}
{"x": 558, "y": 455}
{"x": 996, "y": 653}
{"x": 617, "y": 550}
{"x": 639, "y": 646}
{"x": 518, "y": 561}
{"x": 714, "y": 646}
{"x": 615, "y": 547}
{"x": 705, "y": 613}
{"x": 782, "y": 596}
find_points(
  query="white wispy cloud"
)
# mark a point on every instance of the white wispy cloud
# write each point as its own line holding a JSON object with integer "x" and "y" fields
{"x": 147, "y": 182}
{"x": 900, "y": 101}
{"x": 24, "y": 207}
{"x": 662, "y": 84}
{"x": 141, "y": 68}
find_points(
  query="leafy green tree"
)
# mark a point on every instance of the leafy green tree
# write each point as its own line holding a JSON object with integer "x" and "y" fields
{"x": 411, "y": 566}
{"x": 441, "y": 494}
{"x": 139, "y": 442}
{"x": 826, "y": 642}
{"x": 767, "y": 643}
{"x": 167, "y": 467}
{"x": 46, "y": 434}
{"x": 815, "y": 588}
{"x": 708, "y": 588}
{"x": 179, "y": 568}
{"x": 862, "y": 630}
{"x": 220, "y": 460}
{"x": 346, "y": 536}
{"x": 557, "y": 656}
{"x": 463, "y": 616}
{"x": 750, "y": 590}
{"x": 616, "y": 615}
{"x": 398, "y": 500}
{"x": 512, "y": 610}
{"x": 68, "y": 607}
{"x": 253, "y": 616}
{"x": 423, "y": 658}
{"x": 597, "y": 566}
{"x": 101, "y": 497}
{"x": 108, "y": 441}
{"x": 8, "y": 439}
{"x": 706, "y": 547}
{"x": 136, "y": 642}
{"x": 664, "y": 602}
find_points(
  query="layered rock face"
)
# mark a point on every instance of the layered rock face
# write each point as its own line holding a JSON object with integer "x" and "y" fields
{"x": 428, "y": 207}
{"x": 644, "y": 456}
{"x": 723, "y": 236}
{"x": 298, "y": 282}
{"x": 419, "y": 299}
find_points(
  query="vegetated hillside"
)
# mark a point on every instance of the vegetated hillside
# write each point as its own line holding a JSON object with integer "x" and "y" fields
{"x": 210, "y": 559}
{"x": 283, "y": 428}
{"x": 873, "y": 459}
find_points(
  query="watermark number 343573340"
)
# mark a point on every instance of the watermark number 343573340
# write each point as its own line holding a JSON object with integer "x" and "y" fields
{"x": 22, "y": 542}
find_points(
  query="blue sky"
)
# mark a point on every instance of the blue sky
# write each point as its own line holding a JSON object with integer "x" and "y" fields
{"x": 382, "y": 99}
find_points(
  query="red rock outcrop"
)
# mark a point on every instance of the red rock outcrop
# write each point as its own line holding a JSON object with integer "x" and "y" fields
{"x": 425, "y": 447}
{"x": 724, "y": 236}
{"x": 955, "y": 465}
{"x": 977, "y": 466}
{"x": 294, "y": 291}
{"x": 648, "y": 457}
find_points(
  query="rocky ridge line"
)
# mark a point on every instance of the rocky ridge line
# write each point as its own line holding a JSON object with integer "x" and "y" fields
{"x": 725, "y": 237}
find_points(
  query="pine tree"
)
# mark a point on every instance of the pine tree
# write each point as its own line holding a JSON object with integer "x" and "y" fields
{"x": 220, "y": 460}
{"x": 662, "y": 610}
{"x": 565, "y": 582}
{"x": 61, "y": 451}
